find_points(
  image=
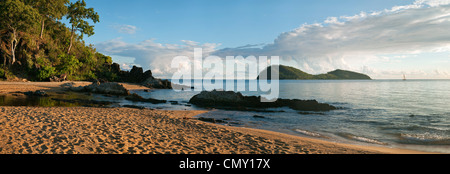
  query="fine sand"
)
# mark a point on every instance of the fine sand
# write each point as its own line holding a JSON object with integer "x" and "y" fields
{"x": 37, "y": 130}
{"x": 81, "y": 130}
{"x": 7, "y": 88}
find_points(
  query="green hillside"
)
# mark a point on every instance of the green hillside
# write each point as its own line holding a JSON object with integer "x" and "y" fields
{"x": 35, "y": 45}
{"x": 290, "y": 73}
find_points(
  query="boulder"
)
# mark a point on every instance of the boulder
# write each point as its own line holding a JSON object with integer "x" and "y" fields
{"x": 111, "y": 88}
{"x": 236, "y": 101}
{"x": 154, "y": 83}
{"x": 217, "y": 98}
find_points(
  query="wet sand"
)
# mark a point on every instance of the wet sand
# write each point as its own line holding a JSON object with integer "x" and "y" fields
{"x": 81, "y": 130}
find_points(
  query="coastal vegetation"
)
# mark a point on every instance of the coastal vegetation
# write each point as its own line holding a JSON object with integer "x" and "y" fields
{"x": 291, "y": 73}
{"x": 35, "y": 45}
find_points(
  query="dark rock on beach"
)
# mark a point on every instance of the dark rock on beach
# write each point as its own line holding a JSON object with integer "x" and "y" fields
{"x": 211, "y": 120}
{"x": 138, "y": 76}
{"x": 111, "y": 88}
{"x": 155, "y": 83}
{"x": 236, "y": 101}
{"x": 137, "y": 98}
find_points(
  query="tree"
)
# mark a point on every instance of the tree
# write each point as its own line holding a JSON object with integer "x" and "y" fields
{"x": 77, "y": 13}
{"x": 16, "y": 16}
{"x": 49, "y": 9}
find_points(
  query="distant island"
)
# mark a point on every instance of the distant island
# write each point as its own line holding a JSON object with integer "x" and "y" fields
{"x": 291, "y": 73}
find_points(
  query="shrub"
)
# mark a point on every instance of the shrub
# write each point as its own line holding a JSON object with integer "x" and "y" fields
{"x": 46, "y": 72}
{"x": 2, "y": 74}
{"x": 69, "y": 64}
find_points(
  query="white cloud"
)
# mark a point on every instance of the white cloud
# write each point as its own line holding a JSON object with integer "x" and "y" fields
{"x": 127, "y": 29}
{"x": 152, "y": 55}
{"x": 345, "y": 42}
{"x": 355, "y": 41}
{"x": 434, "y": 3}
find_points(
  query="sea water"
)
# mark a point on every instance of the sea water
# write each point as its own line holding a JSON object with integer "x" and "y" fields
{"x": 413, "y": 114}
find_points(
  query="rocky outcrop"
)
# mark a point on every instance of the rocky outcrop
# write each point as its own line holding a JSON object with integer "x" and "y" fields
{"x": 236, "y": 101}
{"x": 102, "y": 88}
{"x": 137, "y": 75}
{"x": 136, "y": 98}
{"x": 157, "y": 83}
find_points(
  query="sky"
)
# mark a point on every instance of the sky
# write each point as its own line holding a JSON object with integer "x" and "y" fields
{"x": 384, "y": 39}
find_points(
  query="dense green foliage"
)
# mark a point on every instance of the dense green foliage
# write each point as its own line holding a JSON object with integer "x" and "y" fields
{"x": 290, "y": 73}
{"x": 35, "y": 45}
{"x": 342, "y": 74}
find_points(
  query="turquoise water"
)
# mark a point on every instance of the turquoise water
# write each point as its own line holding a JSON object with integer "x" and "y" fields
{"x": 413, "y": 114}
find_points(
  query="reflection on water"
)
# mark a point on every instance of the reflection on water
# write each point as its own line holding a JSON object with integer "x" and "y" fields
{"x": 22, "y": 100}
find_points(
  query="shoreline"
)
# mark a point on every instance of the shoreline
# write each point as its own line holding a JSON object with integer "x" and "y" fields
{"x": 115, "y": 130}
{"x": 80, "y": 130}
{"x": 7, "y": 88}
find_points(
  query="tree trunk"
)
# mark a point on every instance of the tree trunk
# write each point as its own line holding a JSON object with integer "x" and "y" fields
{"x": 71, "y": 40}
{"x": 42, "y": 28}
{"x": 13, "y": 47}
{"x": 4, "y": 57}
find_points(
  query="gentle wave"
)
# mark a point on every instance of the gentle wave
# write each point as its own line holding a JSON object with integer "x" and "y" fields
{"x": 424, "y": 138}
{"x": 442, "y": 129}
{"x": 309, "y": 133}
{"x": 361, "y": 139}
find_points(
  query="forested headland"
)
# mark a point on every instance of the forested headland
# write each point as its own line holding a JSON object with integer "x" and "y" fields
{"x": 35, "y": 45}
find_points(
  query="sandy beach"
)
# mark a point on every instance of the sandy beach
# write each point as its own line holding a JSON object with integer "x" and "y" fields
{"x": 82, "y": 130}
{"x": 7, "y": 88}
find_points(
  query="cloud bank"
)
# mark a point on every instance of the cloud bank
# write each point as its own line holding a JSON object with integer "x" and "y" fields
{"x": 152, "y": 55}
{"x": 345, "y": 42}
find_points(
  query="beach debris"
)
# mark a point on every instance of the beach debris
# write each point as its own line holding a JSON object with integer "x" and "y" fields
{"x": 236, "y": 101}
{"x": 137, "y": 98}
{"x": 60, "y": 78}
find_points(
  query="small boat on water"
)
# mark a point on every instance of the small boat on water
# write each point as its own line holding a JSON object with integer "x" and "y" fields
{"x": 404, "y": 77}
